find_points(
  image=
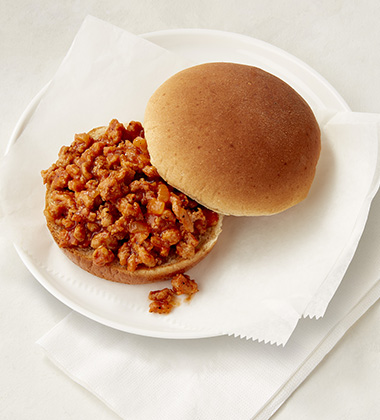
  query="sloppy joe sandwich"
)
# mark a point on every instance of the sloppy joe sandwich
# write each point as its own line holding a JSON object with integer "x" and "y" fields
{"x": 113, "y": 215}
{"x": 235, "y": 138}
{"x": 137, "y": 205}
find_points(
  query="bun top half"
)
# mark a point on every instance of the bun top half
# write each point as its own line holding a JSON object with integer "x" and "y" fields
{"x": 235, "y": 138}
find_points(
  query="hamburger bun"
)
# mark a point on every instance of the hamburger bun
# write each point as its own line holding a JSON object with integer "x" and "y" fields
{"x": 235, "y": 138}
{"x": 114, "y": 271}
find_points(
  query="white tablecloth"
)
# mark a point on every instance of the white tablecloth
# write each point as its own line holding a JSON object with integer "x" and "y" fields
{"x": 338, "y": 39}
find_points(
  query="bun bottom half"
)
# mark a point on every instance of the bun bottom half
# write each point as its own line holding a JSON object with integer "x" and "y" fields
{"x": 114, "y": 271}
{"x": 74, "y": 209}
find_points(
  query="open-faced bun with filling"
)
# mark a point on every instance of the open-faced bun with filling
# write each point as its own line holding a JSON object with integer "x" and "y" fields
{"x": 235, "y": 138}
{"x": 103, "y": 193}
{"x": 83, "y": 257}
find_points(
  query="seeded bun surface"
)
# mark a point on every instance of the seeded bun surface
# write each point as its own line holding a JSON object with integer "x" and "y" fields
{"x": 233, "y": 137}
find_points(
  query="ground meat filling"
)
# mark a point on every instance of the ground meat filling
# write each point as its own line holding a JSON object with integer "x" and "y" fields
{"x": 104, "y": 194}
{"x": 164, "y": 300}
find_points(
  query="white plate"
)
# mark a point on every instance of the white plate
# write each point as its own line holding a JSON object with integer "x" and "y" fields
{"x": 199, "y": 46}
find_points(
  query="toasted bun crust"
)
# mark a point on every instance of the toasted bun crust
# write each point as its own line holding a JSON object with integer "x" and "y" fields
{"x": 235, "y": 138}
{"x": 118, "y": 273}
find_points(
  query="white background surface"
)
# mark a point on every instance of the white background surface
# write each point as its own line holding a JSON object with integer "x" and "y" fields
{"x": 339, "y": 39}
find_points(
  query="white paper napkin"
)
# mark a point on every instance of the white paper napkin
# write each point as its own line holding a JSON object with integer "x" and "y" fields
{"x": 220, "y": 378}
{"x": 264, "y": 274}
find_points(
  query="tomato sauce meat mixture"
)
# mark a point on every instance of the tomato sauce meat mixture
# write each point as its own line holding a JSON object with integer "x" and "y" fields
{"x": 164, "y": 300}
{"x": 105, "y": 195}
